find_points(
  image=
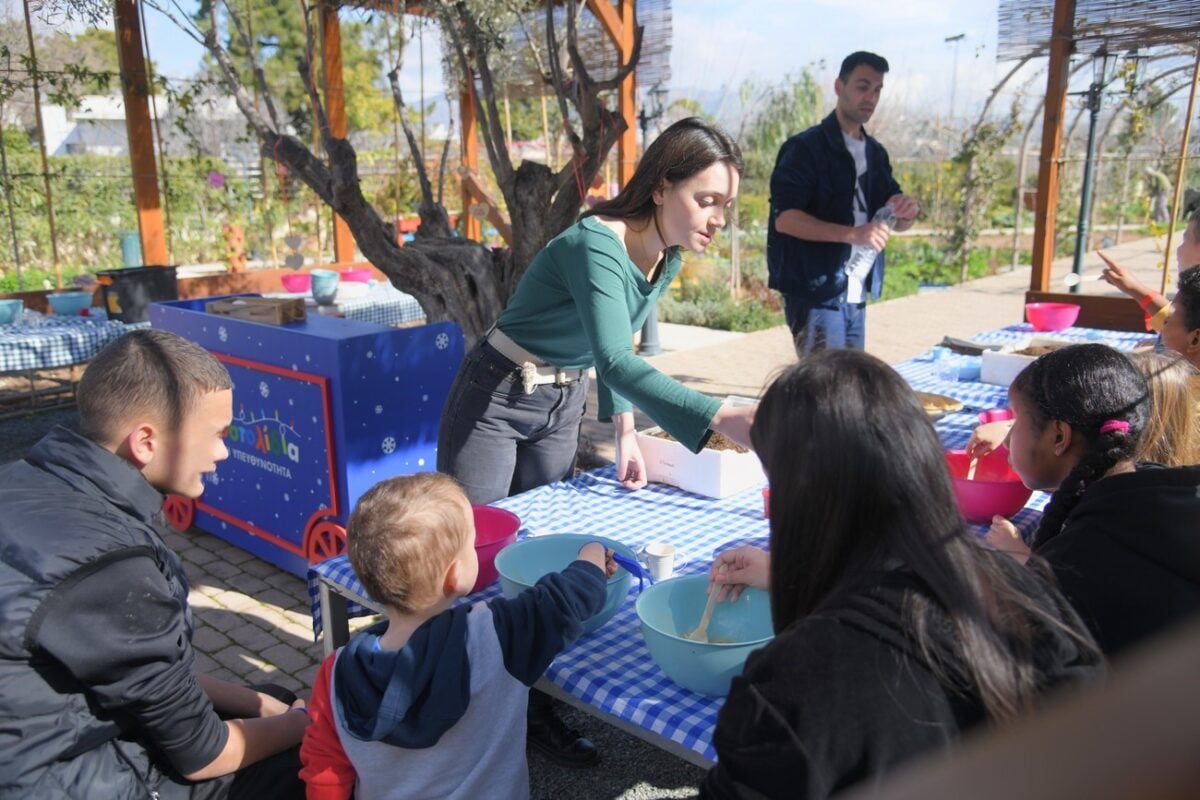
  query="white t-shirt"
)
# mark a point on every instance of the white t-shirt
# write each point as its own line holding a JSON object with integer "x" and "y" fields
{"x": 858, "y": 205}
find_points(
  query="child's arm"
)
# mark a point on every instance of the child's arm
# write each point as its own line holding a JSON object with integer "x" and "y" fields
{"x": 1155, "y": 306}
{"x": 327, "y": 772}
{"x": 987, "y": 437}
{"x": 538, "y": 624}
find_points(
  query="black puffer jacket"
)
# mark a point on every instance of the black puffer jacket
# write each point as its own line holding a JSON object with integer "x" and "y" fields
{"x": 1128, "y": 555}
{"x": 98, "y": 695}
{"x": 844, "y": 695}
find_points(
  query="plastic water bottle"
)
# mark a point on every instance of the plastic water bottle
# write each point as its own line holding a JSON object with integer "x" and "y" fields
{"x": 862, "y": 257}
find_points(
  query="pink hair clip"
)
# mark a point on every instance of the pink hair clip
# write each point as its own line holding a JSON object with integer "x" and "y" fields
{"x": 1118, "y": 425}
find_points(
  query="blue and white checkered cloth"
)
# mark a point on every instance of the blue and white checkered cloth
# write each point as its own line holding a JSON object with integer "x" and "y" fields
{"x": 57, "y": 341}
{"x": 384, "y": 304}
{"x": 611, "y": 669}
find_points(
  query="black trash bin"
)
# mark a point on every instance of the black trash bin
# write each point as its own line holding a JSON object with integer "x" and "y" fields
{"x": 129, "y": 292}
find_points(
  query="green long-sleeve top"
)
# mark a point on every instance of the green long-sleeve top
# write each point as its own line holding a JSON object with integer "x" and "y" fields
{"x": 578, "y": 305}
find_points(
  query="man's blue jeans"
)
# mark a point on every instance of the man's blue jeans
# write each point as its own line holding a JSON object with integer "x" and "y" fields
{"x": 831, "y": 325}
{"x": 496, "y": 440}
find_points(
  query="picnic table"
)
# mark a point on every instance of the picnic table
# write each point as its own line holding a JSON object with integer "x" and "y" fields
{"x": 610, "y": 673}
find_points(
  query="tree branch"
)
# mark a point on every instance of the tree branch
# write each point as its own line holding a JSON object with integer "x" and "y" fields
{"x": 260, "y": 78}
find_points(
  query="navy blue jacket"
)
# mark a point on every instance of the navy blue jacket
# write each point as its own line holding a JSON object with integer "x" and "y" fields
{"x": 815, "y": 173}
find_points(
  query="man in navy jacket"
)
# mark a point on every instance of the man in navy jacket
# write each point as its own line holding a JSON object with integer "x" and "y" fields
{"x": 827, "y": 184}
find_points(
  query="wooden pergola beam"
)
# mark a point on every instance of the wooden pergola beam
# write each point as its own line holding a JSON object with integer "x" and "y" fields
{"x": 135, "y": 91}
{"x": 335, "y": 110}
{"x": 1062, "y": 43}
{"x": 619, "y": 22}
{"x": 472, "y": 227}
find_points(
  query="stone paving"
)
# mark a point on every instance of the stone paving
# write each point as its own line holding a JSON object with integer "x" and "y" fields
{"x": 253, "y": 622}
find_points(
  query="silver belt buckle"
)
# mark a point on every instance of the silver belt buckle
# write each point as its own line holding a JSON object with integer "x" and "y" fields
{"x": 528, "y": 377}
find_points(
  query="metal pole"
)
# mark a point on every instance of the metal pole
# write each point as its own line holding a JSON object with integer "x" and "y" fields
{"x": 1085, "y": 202}
{"x": 1183, "y": 146}
{"x": 649, "y": 344}
{"x": 41, "y": 136}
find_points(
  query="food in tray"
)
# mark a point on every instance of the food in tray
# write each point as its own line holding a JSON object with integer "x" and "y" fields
{"x": 938, "y": 404}
{"x": 718, "y": 441}
{"x": 1036, "y": 350}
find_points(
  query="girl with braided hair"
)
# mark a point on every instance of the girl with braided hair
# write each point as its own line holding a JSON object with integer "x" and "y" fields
{"x": 1122, "y": 538}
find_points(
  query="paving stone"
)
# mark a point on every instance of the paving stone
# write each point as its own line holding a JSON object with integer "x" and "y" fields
{"x": 236, "y": 601}
{"x": 205, "y": 663}
{"x": 287, "y": 682}
{"x": 252, "y": 637}
{"x": 239, "y": 660}
{"x": 308, "y": 675}
{"x": 222, "y": 569}
{"x": 198, "y": 556}
{"x": 286, "y": 657}
{"x": 261, "y": 569}
{"x": 247, "y": 584}
{"x": 217, "y": 617}
{"x": 282, "y": 600}
{"x": 232, "y": 554}
{"x": 175, "y": 540}
{"x": 220, "y": 673}
{"x": 209, "y": 640}
{"x": 286, "y": 581}
{"x": 269, "y": 618}
{"x": 198, "y": 599}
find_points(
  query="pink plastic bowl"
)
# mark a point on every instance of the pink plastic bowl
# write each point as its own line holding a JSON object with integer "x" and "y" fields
{"x": 996, "y": 489}
{"x": 495, "y": 529}
{"x": 357, "y": 274}
{"x": 296, "y": 281}
{"x": 995, "y": 415}
{"x": 1051, "y": 316}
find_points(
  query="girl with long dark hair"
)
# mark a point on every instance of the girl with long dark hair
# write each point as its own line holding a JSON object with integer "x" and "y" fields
{"x": 1122, "y": 537}
{"x": 896, "y": 629}
{"x": 512, "y": 419}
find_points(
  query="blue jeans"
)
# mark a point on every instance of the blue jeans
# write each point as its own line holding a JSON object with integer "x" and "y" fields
{"x": 825, "y": 326}
{"x": 498, "y": 441}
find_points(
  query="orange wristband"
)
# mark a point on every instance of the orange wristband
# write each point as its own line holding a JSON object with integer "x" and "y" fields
{"x": 1145, "y": 301}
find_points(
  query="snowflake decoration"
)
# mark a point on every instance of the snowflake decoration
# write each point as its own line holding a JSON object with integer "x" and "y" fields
{"x": 424, "y": 398}
{"x": 370, "y": 354}
{"x": 263, "y": 389}
{"x": 378, "y": 409}
{"x": 420, "y": 462}
{"x": 214, "y": 479}
{"x": 286, "y": 497}
{"x": 442, "y": 341}
{"x": 295, "y": 367}
{"x": 308, "y": 358}
{"x": 389, "y": 445}
{"x": 222, "y": 334}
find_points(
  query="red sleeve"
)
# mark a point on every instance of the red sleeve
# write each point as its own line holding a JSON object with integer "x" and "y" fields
{"x": 327, "y": 772}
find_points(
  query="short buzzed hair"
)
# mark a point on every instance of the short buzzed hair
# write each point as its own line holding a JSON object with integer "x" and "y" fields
{"x": 877, "y": 63}
{"x": 150, "y": 372}
{"x": 402, "y": 535}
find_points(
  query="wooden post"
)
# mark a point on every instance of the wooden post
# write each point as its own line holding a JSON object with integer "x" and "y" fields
{"x": 1061, "y": 44}
{"x": 135, "y": 91}
{"x": 472, "y": 227}
{"x": 335, "y": 109}
{"x": 619, "y": 24}
{"x": 1183, "y": 147}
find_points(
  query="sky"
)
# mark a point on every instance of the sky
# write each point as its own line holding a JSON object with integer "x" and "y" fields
{"x": 717, "y": 44}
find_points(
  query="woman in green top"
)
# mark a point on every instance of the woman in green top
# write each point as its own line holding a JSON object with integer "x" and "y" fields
{"x": 512, "y": 419}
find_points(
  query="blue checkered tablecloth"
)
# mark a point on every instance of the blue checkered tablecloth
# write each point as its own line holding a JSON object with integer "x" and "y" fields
{"x": 55, "y": 341}
{"x": 384, "y": 304}
{"x": 611, "y": 668}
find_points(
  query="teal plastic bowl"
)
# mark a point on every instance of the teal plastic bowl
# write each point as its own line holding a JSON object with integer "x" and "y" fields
{"x": 522, "y": 563}
{"x": 69, "y": 304}
{"x": 9, "y": 309}
{"x": 669, "y": 609}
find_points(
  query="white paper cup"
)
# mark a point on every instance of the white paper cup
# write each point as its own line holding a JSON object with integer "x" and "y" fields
{"x": 659, "y": 559}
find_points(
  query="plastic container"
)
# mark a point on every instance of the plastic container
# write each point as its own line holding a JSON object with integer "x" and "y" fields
{"x": 128, "y": 293}
{"x": 69, "y": 304}
{"x": 995, "y": 415}
{"x": 522, "y": 563}
{"x": 296, "y": 281}
{"x": 131, "y": 248}
{"x": 9, "y": 310}
{"x": 1051, "y": 316}
{"x": 324, "y": 285}
{"x": 862, "y": 257}
{"x": 357, "y": 274}
{"x": 670, "y": 609}
{"x": 995, "y": 489}
{"x": 495, "y": 529}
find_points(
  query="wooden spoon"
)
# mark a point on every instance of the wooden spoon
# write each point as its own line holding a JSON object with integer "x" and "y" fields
{"x": 971, "y": 468}
{"x": 700, "y": 634}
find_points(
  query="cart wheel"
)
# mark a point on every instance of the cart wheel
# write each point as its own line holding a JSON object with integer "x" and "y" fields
{"x": 325, "y": 539}
{"x": 179, "y": 511}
